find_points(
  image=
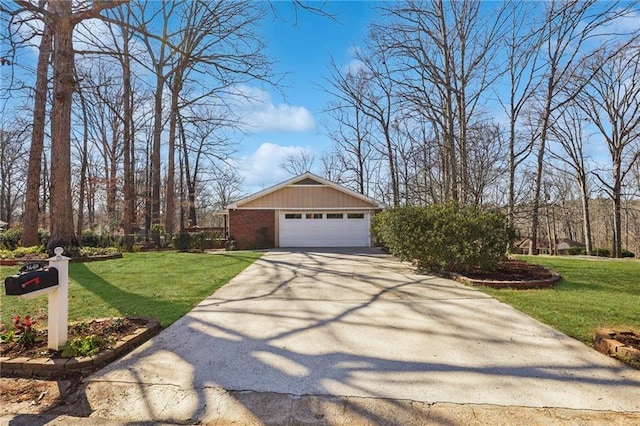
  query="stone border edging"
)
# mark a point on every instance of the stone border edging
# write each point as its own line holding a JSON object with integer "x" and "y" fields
{"x": 606, "y": 343}
{"x": 516, "y": 285}
{"x": 14, "y": 262}
{"x": 96, "y": 258}
{"x": 57, "y": 368}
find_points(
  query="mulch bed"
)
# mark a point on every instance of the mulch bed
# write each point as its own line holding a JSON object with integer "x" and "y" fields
{"x": 512, "y": 270}
{"x": 110, "y": 330}
{"x": 514, "y": 274}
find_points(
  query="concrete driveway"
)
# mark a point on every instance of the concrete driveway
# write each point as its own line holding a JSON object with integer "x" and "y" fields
{"x": 354, "y": 336}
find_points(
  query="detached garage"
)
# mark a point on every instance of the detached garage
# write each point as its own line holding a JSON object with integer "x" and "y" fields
{"x": 306, "y": 211}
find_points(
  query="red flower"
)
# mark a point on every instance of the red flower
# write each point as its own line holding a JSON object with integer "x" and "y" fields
{"x": 27, "y": 321}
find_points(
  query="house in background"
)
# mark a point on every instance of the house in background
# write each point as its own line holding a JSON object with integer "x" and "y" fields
{"x": 565, "y": 244}
{"x": 305, "y": 211}
{"x": 562, "y": 246}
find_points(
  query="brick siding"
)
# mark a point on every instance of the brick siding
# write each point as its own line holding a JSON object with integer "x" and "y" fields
{"x": 252, "y": 229}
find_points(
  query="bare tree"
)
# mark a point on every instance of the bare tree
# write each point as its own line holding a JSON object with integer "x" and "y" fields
{"x": 123, "y": 55}
{"x": 445, "y": 54}
{"x": 217, "y": 39}
{"x": 611, "y": 101}
{"x": 204, "y": 145}
{"x": 487, "y": 161}
{"x": 84, "y": 159}
{"x": 352, "y": 136}
{"x": 370, "y": 89}
{"x": 13, "y": 143}
{"x": 159, "y": 55}
{"x": 298, "y": 163}
{"x": 522, "y": 47}
{"x": 226, "y": 185}
{"x": 570, "y": 31}
{"x": 31, "y": 205}
{"x": 63, "y": 16}
{"x": 569, "y": 134}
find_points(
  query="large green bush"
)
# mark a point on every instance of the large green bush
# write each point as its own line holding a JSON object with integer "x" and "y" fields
{"x": 11, "y": 238}
{"x": 445, "y": 237}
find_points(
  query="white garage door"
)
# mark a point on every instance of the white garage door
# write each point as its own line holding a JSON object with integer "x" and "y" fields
{"x": 322, "y": 229}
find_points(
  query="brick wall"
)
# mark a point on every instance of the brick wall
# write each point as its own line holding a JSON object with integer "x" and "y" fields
{"x": 252, "y": 229}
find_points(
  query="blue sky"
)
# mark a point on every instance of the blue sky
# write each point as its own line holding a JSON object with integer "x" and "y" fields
{"x": 302, "y": 44}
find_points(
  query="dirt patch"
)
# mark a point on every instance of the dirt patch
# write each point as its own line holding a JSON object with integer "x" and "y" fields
{"x": 34, "y": 396}
{"x": 30, "y": 396}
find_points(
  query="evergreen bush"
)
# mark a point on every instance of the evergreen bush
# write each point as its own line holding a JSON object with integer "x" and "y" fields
{"x": 445, "y": 237}
{"x": 627, "y": 253}
{"x": 11, "y": 238}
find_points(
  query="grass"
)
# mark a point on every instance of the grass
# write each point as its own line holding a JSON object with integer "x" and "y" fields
{"x": 163, "y": 285}
{"x": 598, "y": 293}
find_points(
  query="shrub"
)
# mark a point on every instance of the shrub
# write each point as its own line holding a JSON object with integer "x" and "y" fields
{"x": 10, "y": 239}
{"x": 91, "y": 239}
{"x": 445, "y": 237}
{"x": 601, "y": 252}
{"x": 98, "y": 251}
{"x": 574, "y": 251}
{"x": 26, "y": 251}
{"x": 83, "y": 346}
{"x": 182, "y": 241}
{"x": 43, "y": 237}
{"x": 199, "y": 241}
{"x": 627, "y": 253}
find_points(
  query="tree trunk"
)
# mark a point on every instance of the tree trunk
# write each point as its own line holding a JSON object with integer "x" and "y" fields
{"x": 392, "y": 166}
{"x": 83, "y": 169}
{"x": 617, "y": 203}
{"x": 533, "y": 248}
{"x": 128, "y": 144}
{"x": 62, "y": 232}
{"x": 586, "y": 219}
{"x": 155, "y": 156}
{"x": 190, "y": 181}
{"x": 30, "y": 216}
{"x": 170, "y": 210}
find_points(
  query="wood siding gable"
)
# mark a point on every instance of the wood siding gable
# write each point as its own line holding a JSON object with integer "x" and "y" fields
{"x": 307, "y": 196}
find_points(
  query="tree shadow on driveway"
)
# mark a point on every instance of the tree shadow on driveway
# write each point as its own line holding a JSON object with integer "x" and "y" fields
{"x": 261, "y": 357}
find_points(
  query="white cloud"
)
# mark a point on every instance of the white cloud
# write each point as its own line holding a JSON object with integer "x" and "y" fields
{"x": 262, "y": 168}
{"x": 257, "y": 112}
{"x": 355, "y": 66}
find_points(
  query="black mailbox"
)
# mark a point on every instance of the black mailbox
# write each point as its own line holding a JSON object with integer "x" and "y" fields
{"x": 30, "y": 281}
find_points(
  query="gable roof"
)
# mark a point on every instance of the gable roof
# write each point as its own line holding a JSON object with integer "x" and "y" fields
{"x": 305, "y": 179}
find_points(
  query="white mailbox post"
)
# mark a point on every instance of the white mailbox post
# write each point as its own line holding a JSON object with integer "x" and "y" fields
{"x": 59, "y": 302}
{"x": 33, "y": 281}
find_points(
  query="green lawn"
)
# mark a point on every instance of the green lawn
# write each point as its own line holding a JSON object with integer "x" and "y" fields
{"x": 593, "y": 294}
{"x": 163, "y": 285}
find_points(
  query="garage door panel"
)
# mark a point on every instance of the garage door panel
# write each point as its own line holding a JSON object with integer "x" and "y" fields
{"x": 323, "y": 232}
